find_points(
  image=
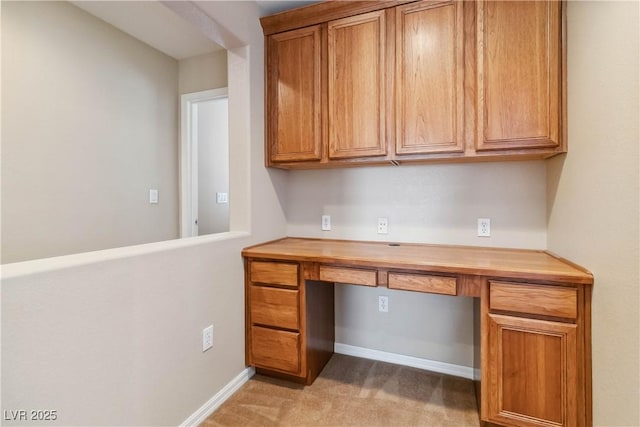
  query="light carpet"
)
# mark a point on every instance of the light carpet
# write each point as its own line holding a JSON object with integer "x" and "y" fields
{"x": 352, "y": 391}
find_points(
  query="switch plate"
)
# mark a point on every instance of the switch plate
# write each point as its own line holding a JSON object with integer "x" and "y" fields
{"x": 383, "y": 225}
{"x": 383, "y": 304}
{"x": 153, "y": 196}
{"x": 222, "y": 197}
{"x": 484, "y": 227}
{"x": 326, "y": 222}
{"x": 207, "y": 338}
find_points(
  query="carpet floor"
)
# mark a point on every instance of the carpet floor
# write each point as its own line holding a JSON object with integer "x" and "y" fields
{"x": 353, "y": 392}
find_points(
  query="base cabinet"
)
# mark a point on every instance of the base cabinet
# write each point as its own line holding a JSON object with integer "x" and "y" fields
{"x": 532, "y": 369}
{"x": 535, "y": 355}
{"x": 289, "y": 320}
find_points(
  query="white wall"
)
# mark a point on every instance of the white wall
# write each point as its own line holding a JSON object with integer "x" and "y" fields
{"x": 118, "y": 332}
{"x": 593, "y": 195}
{"x": 428, "y": 203}
{"x": 89, "y": 126}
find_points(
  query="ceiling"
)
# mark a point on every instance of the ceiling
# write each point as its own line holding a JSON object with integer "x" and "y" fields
{"x": 267, "y": 7}
{"x": 158, "y": 26}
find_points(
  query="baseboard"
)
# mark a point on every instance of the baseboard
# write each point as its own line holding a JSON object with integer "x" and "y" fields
{"x": 218, "y": 399}
{"x": 400, "y": 359}
{"x": 476, "y": 375}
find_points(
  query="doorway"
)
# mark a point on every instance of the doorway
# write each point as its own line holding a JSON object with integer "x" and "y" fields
{"x": 204, "y": 172}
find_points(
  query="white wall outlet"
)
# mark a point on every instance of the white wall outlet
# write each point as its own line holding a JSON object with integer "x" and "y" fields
{"x": 383, "y": 225}
{"x": 153, "y": 196}
{"x": 484, "y": 227}
{"x": 326, "y": 222}
{"x": 207, "y": 338}
{"x": 222, "y": 197}
{"x": 383, "y": 304}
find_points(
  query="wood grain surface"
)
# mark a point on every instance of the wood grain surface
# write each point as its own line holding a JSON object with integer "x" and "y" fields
{"x": 423, "y": 283}
{"x": 274, "y": 273}
{"x": 553, "y": 301}
{"x": 519, "y": 60}
{"x": 496, "y": 262}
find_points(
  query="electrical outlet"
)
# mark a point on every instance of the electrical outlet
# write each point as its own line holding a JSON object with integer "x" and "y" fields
{"x": 383, "y": 225}
{"x": 383, "y": 304}
{"x": 207, "y": 338}
{"x": 326, "y": 222}
{"x": 484, "y": 227}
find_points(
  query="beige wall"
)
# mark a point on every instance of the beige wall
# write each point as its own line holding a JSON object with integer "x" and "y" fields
{"x": 427, "y": 203}
{"x": 89, "y": 126}
{"x": 213, "y": 165}
{"x": 203, "y": 72}
{"x": 593, "y": 204}
{"x": 114, "y": 337}
{"x": 118, "y": 342}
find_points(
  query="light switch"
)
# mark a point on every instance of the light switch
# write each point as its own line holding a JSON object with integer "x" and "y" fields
{"x": 222, "y": 197}
{"x": 153, "y": 196}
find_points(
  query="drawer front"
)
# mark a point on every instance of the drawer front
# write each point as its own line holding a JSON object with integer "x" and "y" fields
{"x": 534, "y": 299}
{"x": 274, "y": 307}
{"x": 274, "y": 349}
{"x": 355, "y": 276}
{"x": 423, "y": 283}
{"x": 274, "y": 273}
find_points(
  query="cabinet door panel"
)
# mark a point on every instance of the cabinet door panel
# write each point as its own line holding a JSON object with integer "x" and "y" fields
{"x": 534, "y": 299}
{"x": 532, "y": 367}
{"x": 518, "y": 82}
{"x": 274, "y": 307}
{"x": 353, "y": 276}
{"x": 423, "y": 283}
{"x": 275, "y": 349}
{"x": 293, "y": 95}
{"x": 356, "y": 86}
{"x": 429, "y": 78}
{"x": 274, "y": 273}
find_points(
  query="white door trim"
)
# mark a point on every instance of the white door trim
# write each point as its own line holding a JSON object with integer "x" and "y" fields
{"x": 189, "y": 157}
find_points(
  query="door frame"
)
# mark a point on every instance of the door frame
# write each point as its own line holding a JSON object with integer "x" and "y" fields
{"x": 189, "y": 156}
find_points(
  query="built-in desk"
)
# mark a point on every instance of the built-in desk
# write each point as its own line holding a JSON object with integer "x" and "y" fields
{"x": 534, "y": 317}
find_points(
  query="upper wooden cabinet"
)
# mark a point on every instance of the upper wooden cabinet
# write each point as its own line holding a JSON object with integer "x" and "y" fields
{"x": 519, "y": 73}
{"x": 429, "y": 78}
{"x": 356, "y": 95}
{"x": 293, "y": 95}
{"x": 393, "y": 82}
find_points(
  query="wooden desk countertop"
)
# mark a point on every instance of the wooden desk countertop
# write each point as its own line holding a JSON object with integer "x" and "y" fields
{"x": 492, "y": 262}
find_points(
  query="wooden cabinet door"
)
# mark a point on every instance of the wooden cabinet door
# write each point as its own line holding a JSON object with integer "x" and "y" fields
{"x": 293, "y": 95}
{"x": 518, "y": 74}
{"x": 429, "y": 77}
{"x": 531, "y": 372}
{"x": 356, "y": 97}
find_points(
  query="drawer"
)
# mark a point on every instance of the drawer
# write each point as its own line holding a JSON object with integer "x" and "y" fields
{"x": 423, "y": 283}
{"x": 274, "y": 307}
{"x": 534, "y": 299}
{"x": 275, "y": 273}
{"x": 355, "y": 276}
{"x": 274, "y": 349}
